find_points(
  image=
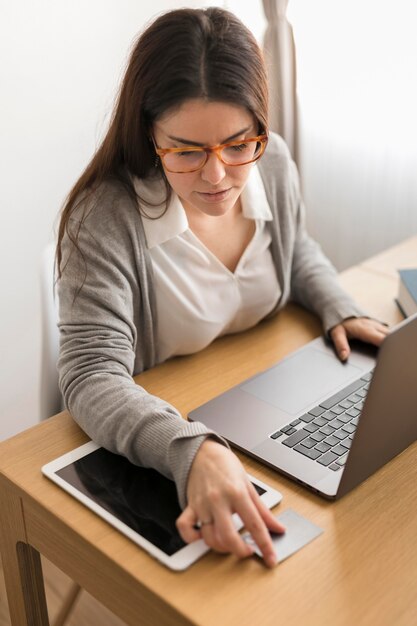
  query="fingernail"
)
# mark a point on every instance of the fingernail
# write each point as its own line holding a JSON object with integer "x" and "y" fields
{"x": 343, "y": 355}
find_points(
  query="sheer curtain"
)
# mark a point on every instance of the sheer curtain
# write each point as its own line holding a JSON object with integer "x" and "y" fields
{"x": 281, "y": 63}
{"x": 356, "y": 146}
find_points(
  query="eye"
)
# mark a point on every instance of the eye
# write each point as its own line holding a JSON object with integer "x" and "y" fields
{"x": 240, "y": 147}
{"x": 188, "y": 153}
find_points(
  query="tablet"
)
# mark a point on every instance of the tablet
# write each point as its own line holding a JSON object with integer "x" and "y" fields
{"x": 138, "y": 501}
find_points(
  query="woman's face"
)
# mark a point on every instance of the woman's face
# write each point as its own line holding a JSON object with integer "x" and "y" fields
{"x": 214, "y": 189}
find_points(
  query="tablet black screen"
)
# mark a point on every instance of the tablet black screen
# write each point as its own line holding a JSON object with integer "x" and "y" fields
{"x": 139, "y": 497}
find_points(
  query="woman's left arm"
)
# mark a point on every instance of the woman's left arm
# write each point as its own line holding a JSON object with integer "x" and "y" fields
{"x": 315, "y": 284}
{"x": 306, "y": 274}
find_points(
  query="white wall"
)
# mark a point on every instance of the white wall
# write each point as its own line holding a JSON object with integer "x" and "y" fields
{"x": 60, "y": 64}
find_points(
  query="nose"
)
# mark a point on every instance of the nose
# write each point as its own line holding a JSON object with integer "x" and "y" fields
{"x": 213, "y": 171}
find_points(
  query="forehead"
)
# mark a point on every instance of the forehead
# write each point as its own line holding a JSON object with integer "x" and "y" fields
{"x": 205, "y": 121}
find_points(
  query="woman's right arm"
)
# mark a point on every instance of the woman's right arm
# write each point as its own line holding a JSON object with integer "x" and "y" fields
{"x": 103, "y": 327}
{"x": 105, "y": 322}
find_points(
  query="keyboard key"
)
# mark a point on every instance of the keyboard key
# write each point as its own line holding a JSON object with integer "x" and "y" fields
{"x": 344, "y": 418}
{"x": 286, "y": 428}
{"x": 360, "y": 405}
{"x": 307, "y": 418}
{"x": 355, "y": 421}
{"x": 311, "y": 428}
{"x": 340, "y": 434}
{"x": 318, "y": 410}
{"x": 332, "y": 441}
{"x": 329, "y": 415}
{"x": 339, "y": 450}
{"x": 342, "y": 459}
{"x": 334, "y": 467}
{"x": 353, "y": 412}
{"x": 362, "y": 393}
{"x": 349, "y": 428}
{"x": 309, "y": 442}
{"x": 276, "y": 435}
{"x": 295, "y": 438}
{"x": 337, "y": 409}
{"x": 291, "y": 431}
{"x": 346, "y": 443}
{"x": 318, "y": 436}
{"x": 327, "y": 430}
{"x": 341, "y": 395}
{"x": 346, "y": 404}
{"x": 327, "y": 458}
{"x": 367, "y": 376}
{"x": 355, "y": 398}
{"x": 319, "y": 421}
{"x": 323, "y": 446}
{"x": 311, "y": 453}
{"x": 335, "y": 423}
{"x": 295, "y": 422}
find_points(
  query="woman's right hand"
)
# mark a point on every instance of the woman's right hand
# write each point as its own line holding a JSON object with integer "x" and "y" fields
{"x": 218, "y": 486}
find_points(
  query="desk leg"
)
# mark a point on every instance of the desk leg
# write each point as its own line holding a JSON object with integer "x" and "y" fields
{"x": 22, "y": 566}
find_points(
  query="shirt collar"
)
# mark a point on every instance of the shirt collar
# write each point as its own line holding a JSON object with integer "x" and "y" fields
{"x": 174, "y": 221}
{"x": 255, "y": 204}
{"x": 160, "y": 226}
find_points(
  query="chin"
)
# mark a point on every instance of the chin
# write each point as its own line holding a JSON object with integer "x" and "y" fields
{"x": 215, "y": 210}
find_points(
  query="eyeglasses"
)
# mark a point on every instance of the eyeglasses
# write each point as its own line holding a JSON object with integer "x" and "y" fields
{"x": 192, "y": 158}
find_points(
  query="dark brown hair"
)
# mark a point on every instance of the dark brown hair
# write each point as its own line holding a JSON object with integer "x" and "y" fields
{"x": 183, "y": 54}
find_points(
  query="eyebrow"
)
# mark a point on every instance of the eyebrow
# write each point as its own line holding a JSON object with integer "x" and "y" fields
{"x": 187, "y": 142}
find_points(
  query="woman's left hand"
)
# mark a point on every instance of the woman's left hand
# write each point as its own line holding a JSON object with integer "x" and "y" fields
{"x": 362, "y": 328}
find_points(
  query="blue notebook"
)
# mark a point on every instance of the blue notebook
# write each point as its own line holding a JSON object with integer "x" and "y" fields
{"x": 407, "y": 292}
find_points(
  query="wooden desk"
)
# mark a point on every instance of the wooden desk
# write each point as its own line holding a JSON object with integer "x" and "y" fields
{"x": 362, "y": 570}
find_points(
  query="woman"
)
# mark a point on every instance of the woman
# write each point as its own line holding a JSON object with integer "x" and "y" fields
{"x": 186, "y": 226}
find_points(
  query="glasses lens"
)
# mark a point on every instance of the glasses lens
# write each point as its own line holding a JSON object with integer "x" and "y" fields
{"x": 184, "y": 161}
{"x": 241, "y": 153}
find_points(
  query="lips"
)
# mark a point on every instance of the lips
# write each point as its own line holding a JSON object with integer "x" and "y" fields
{"x": 214, "y": 196}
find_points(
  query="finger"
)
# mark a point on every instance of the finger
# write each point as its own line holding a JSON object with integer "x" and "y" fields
{"x": 189, "y": 531}
{"x": 384, "y": 328}
{"x": 366, "y": 330}
{"x": 185, "y": 526}
{"x": 255, "y": 525}
{"x": 269, "y": 518}
{"x": 340, "y": 341}
{"x": 223, "y": 537}
{"x": 376, "y": 333}
{"x": 374, "y": 336}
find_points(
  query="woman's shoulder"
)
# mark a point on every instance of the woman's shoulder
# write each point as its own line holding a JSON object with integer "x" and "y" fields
{"x": 277, "y": 165}
{"x": 111, "y": 200}
{"x": 276, "y": 150}
{"x": 280, "y": 177}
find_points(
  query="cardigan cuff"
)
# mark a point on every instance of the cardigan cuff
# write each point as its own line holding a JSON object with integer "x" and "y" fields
{"x": 182, "y": 452}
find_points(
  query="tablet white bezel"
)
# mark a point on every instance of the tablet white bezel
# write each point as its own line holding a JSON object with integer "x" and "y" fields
{"x": 179, "y": 560}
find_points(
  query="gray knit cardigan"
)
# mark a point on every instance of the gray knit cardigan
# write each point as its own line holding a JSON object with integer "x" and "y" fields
{"x": 108, "y": 328}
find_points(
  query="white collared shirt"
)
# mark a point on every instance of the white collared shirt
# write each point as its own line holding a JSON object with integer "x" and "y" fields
{"x": 197, "y": 297}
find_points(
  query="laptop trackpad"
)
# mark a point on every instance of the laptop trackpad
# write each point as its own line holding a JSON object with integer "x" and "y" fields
{"x": 301, "y": 380}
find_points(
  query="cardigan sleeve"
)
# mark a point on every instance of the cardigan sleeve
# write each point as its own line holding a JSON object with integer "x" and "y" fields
{"x": 305, "y": 274}
{"x": 101, "y": 300}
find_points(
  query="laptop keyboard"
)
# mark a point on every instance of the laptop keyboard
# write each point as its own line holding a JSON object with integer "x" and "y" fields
{"x": 325, "y": 433}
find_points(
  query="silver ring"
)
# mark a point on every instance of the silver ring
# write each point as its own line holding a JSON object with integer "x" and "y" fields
{"x": 200, "y": 523}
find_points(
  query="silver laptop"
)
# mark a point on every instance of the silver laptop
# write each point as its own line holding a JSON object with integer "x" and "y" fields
{"x": 328, "y": 425}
